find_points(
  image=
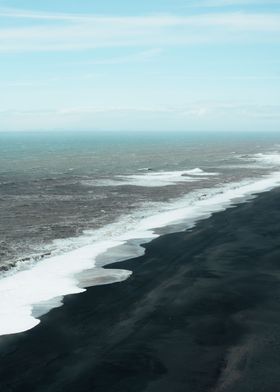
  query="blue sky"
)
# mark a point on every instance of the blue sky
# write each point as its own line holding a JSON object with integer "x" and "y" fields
{"x": 151, "y": 65}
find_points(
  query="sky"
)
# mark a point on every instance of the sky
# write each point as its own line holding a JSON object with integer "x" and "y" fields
{"x": 151, "y": 65}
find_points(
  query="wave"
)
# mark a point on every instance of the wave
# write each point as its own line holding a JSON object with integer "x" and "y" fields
{"x": 199, "y": 172}
{"x": 263, "y": 159}
{"x": 42, "y": 286}
{"x": 153, "y": 179}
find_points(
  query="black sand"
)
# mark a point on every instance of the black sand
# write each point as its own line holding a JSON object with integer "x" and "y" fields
{"x": 200, "y": 313}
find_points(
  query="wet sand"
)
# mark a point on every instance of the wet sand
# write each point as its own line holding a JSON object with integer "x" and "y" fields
{"x": 201, "y": 312}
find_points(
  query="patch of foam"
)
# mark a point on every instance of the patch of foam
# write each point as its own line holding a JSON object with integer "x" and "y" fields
{"x": 266, "y": 159}
{"x": 56, "y": 276}
{"x": 153, "y": 179}
{"x": 49, "y": 279}
{"x": 199, "y": 172}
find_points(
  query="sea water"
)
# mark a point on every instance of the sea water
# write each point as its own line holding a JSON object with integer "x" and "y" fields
{"x": 72, "y": 202}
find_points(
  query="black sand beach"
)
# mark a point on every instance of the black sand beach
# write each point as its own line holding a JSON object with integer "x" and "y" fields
{"x": 201, "y": 312}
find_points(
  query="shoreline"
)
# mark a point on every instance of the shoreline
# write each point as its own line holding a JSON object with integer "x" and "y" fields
{"x": 57, "y": 276}
{"x": 201, "y": 312}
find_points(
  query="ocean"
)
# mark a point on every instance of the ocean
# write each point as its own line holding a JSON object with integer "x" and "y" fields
{"x": 73, "y": 202}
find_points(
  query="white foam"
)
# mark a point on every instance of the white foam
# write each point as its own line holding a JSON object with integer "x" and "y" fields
{"x": 153, "y": 179}
{"x": 51, "y": 278}
{"x": 56, "y": 276}
{"x": 271, "y": 159}
{"x": 199, "y": 172}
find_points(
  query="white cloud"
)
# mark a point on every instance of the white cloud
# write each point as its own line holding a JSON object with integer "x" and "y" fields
{"x": 192, "y": 109}
{"x": 79, "y": 32}
{"x": 229, "y": 3}
{"x": 142, "y": 56}
{"x": 225, "y": 3}
{"x": 197, "y": 115}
